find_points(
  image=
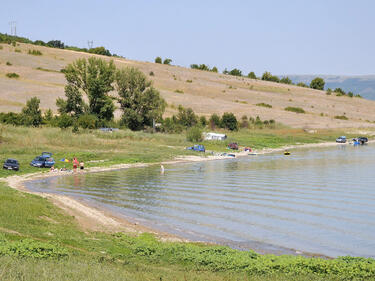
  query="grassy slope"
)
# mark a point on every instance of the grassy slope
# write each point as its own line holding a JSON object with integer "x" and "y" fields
{"x": 130, "y": 147}
{"x": 207, "y": 93}
{"x": 39, "y": 242}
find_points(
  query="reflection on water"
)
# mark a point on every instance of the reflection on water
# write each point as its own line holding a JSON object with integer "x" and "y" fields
{"x": 319, "y": 201}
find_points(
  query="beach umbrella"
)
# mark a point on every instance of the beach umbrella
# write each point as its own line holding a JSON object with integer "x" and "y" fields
{"x": 64, "y": 160}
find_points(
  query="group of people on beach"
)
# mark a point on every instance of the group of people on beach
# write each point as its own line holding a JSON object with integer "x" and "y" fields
{"x": 76, "y": 164}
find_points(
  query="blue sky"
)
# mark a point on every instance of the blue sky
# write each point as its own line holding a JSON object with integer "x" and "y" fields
{"x": 284, "y": 37}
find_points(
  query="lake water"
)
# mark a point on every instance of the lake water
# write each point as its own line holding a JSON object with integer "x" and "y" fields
{"x": 315, "y": 200}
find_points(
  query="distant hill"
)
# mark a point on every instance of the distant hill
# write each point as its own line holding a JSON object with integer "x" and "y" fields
{"x": 363, "y": 85}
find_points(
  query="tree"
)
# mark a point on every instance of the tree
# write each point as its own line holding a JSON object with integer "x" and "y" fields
{"x": 267, "y": 76}
{"x": 301, "y": 84}
{"x": 100, "y": 51}
{"x": 55, "y": 44}
{"x": 31, "y": 114}
{"x": 235, "y": 72}
{"x": 48, "y": 115}
{"x": 214, "y": 69}
{"x": 158, "y": 60}
{"x": 94, "y": 78}
{"x": 229, "y": 121}
{"x": 194, "y": 134}
{"x": 167, "y": 61}
{"x": 317, "y": 83}
{"x": 214, "y": 121}
{"x": 140, "y": 103}
{"x": 203, "y": 121}
{"x": 186, "y": 117}
{"x": 252, "y": 75}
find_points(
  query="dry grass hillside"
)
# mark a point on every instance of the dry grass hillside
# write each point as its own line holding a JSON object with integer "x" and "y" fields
{"x": 205, "y": 92}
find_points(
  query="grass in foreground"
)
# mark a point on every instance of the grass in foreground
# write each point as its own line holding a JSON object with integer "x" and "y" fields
{"x": 126, "y": 146}
{"x": 39, "y": 242}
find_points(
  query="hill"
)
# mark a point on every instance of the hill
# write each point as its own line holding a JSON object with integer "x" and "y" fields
{"x": 359, "y": 84}
{"x": 205, "y": 92}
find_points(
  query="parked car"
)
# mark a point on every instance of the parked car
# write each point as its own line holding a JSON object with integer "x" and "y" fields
{"x": 43, "y": 161}
{"x": 362, "y": 139}
{"x": 11, "y": 164}
{"x": 233, "y": 145}
{"x": 341, "y": 139}
{"x": 197, "y": 147}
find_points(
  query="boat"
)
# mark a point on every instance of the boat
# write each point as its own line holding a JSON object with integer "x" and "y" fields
{"x": 286, "y": 153}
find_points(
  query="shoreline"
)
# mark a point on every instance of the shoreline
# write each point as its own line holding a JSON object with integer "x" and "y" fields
{"x": 95, "y": 218}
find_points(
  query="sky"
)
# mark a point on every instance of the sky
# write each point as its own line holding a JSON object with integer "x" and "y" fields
{"x": 283, "y": 37}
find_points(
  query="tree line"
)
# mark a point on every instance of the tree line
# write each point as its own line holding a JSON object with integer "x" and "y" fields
{"x": 11, "y": 39}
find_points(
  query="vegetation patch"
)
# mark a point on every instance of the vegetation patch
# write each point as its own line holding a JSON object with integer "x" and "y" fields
{"x": 47, "y": 70}
{"x": 8, "y": 63}
{"x": 241, "y": 101}
{"x": 264, "y": 105}
{"x": 341, "y": 117}
{"x": 12, "y": 75}
{"x": 17, "y": 50}
{"x": 295, "y": 109}
{"x": 35, "y": 52}
{"x": 189, "y": 81}
{"x": 179, "y": 91}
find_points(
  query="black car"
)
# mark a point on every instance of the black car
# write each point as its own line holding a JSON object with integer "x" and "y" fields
{"x": 362, "y": 139}
{"x": 11, "y": 164}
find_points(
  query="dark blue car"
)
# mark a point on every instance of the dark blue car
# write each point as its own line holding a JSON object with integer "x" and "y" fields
{"x": 43, "y": 161}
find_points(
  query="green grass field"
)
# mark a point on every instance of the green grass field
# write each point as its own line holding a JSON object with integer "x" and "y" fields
{"x": 39, "y": 242}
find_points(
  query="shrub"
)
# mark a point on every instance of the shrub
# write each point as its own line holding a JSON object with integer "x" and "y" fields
{"x": 194, "y": 134}
{"x": 167, "y": 61}
{"x": 179, "y": 91}
{"x": 214, "y": 121}
{"x": 48, "y": 115}
{"x": 328, "y": 92}
{"x": 267, "y": 76}
{"x": 189, "y": 81}
{"x": 252, "y": 75}
{"x": 214, "y": 69}
{"x": 1, "y": 47}
{"x": 339, "y": 92}
{"x": 35, "y": 52}
{"x": 350, "y": 94}
{"x": 158, "y": 60}
{"x": 11, "y": 118}
{"x": 235, "y": 72}
{"x": 88, "y": 121}
{"x": 286, "y": 80}
{"x": 301, "y": 84}
{"x": 186, "y": 117}
{"x": 229, "y": 121}
{"x": 100, "y": 51}
{"x": 317, "y": 83}
{"x": 8, "y": 63}
{"x": 244, "y": 122}
{"x": 12, "y": 75}
{"x": 151, "y": 73}
{"x": 264, "y": 105}
{"x": 203, "y": 121}
{"x": 170, "y": 125}
{"x": 341, "y": 117}
{"x": 17, "y": 50}
{"x": 64, "y": 121}
{"x": 295, "y": 109}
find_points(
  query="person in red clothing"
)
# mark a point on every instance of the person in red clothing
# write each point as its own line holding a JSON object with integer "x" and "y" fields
{"x": 75, "y": 163}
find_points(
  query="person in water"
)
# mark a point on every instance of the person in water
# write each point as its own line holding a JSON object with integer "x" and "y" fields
{"x": 161, "y": 169}
{"x": 75, "y": 163}
{"x": 81, "y": 165}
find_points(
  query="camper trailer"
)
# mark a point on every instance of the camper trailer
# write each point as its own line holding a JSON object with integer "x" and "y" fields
{"x": 214, "y": 136}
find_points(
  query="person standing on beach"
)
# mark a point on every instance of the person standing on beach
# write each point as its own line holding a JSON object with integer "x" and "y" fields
{"x": 75, "y": 163}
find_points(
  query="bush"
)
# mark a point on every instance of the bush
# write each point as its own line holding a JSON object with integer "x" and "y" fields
{"x": 167, "y": 61}
{"x": 12, "y": 75}
{"x": 189, "y": 81}
{"x": 203, "y": 121}
{"x": 8, "y": 63}
{"x": 295, "y": 109}
{"x": 35, "y": 52}
{"x": 341, "y": 117}
{"x": 350, "y": 94}
{"x": 235, "y": 72}
{"x": 31, "y": 114}
{"x": 194, "y": 134}
{"x": 328, "y": 92}
{"x": 179, "y": 91}
{"x": 229, "y": 121}
{"x": 317, "y": 83}
{"x": 214, "y": 121}
{"x": 158, "y": 60}
{"x": 301, "y": 84}
{"x": 244, "y": 122}
{"x": 100, "y": 51}
{"x": 152, "y": 73}
{"x": 286, "y": 80}
{"x": 64, "y": 121}
{"x": 186, "y": 117}
{"x": 252, "y": 75}
{"x": 264, "y": 105}
{"x": 11, "y": 118}
{"x": 267, "y": 76}
{"x": 17, "y": 50}
{"x": 1, "y": 47}
{"x": 88, "y": 121}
